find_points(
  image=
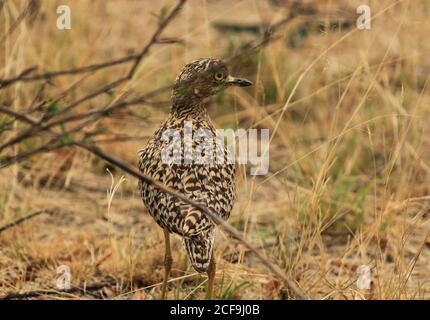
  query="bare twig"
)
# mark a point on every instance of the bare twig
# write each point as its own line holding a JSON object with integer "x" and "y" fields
{"x": 33, "y": 294}
{"x": 224, "y": 225}
{"x": 56, "y": 142}
{"x": 23, "y": 77}
{"x": 16, "y": 23}
{"x": 51, "y": 145}
{"x": 103, "y": 89}
{"x": 21, "y": 220}
{"x": 268, "y": 37}
{"x": 155, "y": 39}
{"x": 82, "y": 289}
{"x": 43, "y": 125}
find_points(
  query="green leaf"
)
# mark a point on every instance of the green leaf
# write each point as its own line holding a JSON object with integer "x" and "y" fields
{"x": 101, "y": 130}
{"x": 233, "y": 289}
{"x": 162, "y": 15}
{"x": 53, "y": 107}
{"x": 4, "y": 121}
{"x": 65, "y": 140}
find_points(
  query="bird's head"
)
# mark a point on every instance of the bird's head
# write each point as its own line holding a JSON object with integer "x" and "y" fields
{"x": 203, "y": 78}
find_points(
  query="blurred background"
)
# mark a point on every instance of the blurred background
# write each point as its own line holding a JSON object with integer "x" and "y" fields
{"x": 348, "y": 111}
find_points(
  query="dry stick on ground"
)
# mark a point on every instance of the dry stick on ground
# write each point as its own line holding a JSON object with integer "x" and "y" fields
{"x": 22, "y": 219}
{"x": 83, "y": 289}
{"x": 34, "y": 294}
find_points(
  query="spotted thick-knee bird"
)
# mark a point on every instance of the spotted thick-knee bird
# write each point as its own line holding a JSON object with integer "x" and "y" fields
{"x": 185, "y": 154}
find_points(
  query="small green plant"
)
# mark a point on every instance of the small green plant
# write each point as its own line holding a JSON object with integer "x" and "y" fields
{"x": 233, "y": 289}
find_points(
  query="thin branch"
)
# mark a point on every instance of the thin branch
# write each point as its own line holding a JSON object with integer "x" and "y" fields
{"x": 51, "y": 145}
{"x": 73, "y": 71}
{"x": 33, "y": 294}
{"x": 224, "y": 225}
{"x": 296, "y": 10}
{"x": 268, "y": 37}
{"x": 106, "y": 88}
{"x": 21, "y": 220}
{"x": 55, "y": 143}
{"x": 82, "y": 289}
{"x": 249, "y": 47}
{"x": 39, "y": 125}
{"x": 155, "y": 37}
{"x": 137, "y": 58}
{"x": 16, "y": 23}
{"x": 96, "y": 114}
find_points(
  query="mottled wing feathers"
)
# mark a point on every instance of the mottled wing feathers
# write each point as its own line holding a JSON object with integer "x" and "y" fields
{"x": 211, "y": 185}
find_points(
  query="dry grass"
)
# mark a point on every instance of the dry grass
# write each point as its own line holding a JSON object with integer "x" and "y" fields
{"x": 349, "y": 157}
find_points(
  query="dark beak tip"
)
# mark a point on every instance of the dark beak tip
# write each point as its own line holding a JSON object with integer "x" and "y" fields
{"x": 246, "y": 83}
{"x": 243, "y": 82}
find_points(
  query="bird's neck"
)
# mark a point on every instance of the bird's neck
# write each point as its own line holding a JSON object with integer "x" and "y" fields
{"x": 189, "y": 105}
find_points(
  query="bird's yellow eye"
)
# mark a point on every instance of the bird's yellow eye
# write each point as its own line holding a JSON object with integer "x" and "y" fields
{"x": 219, "y": 76}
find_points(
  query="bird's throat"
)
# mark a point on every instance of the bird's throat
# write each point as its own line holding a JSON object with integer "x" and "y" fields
{"x": 189, "y": 104}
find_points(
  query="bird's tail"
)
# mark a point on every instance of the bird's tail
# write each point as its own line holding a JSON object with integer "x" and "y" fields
{"x": 199, "y": 249}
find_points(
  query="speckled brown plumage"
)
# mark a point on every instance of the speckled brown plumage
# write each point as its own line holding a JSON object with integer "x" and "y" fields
{"x": 211, "y": 184}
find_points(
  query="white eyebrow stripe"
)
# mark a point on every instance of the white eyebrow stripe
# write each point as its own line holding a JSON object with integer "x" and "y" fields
{"x": 207, "y": 64}
{"x": 202, "y": 62}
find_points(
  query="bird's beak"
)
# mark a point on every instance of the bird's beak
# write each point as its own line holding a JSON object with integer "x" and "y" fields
{"x": 238, "y": 82}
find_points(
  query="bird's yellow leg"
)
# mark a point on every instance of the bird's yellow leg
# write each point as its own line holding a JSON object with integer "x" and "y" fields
{"x": 167, "y": 264}
{"x": 211, "y": 277}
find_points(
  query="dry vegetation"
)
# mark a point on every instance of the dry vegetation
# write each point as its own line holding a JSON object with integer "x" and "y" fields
{"x": 349, "y": 176}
